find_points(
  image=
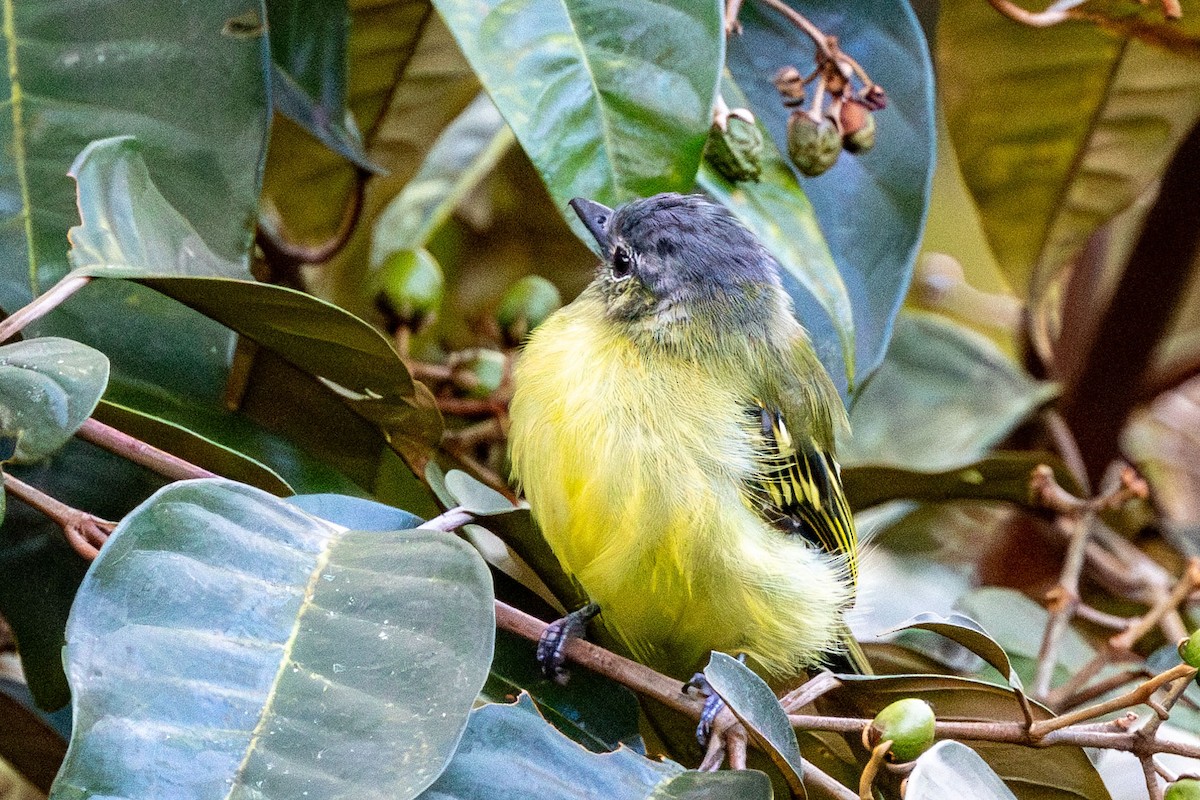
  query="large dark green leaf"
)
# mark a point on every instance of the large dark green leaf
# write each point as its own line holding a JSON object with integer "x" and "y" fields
{"x": 1059, "y": 129}
{"x": 129, "y": 231}
{"x": 509, "y": 751}
{"x": 872, "y": 207}
{"x": 301, "y": 659}
{"x": 942, "y": 398}
{"x": 610, "y": 100}
{"x": 48, "y": 388}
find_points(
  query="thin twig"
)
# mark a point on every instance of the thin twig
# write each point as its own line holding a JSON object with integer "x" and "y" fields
{"x": 140, "y": 453}
{"x": 1099, "y": 688}
{"x": 51, "y": 299}
{"x": 85, "y": 532}
{"x": 1136, "y": 696}
{"x": 800, "y": 21}
{"x": 1034, "y": 19}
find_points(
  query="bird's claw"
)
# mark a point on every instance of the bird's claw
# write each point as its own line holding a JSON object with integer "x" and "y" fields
{"x": 552, "y": 646}
{"x": 713, "y": 705}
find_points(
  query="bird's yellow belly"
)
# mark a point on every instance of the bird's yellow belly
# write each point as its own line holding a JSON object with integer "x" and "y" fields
{"x": 649, "y": 516}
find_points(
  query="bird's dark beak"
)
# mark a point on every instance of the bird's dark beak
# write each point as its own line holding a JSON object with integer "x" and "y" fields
{"x": 595, "y": 218}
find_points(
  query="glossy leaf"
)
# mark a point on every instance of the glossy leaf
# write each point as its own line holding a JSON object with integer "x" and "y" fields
{"x": 510, "y": 751}
{"x": 48, "y": 388}
{"x": 944, "y": 396}
{"x": 1058, "y": 129}
{"x": 611, "y": 101}
{"x": 757, "y": 707}
{"x": 339, "y": 660}
{"x": 999, "y": 476}
{"x": 1056, "y": 773}
{"x": 1017, "y": 623}
{"x": 190, "y": 88}
{"x": 950, "y": 769}
{"x": 128, "y": 231}
{"x": 871, "y": 207}
{"x": 465, "y": 151}
{"x": 355, "y": 513}
{"x": 971, "y": 635}
{"x": 475, "y": 497}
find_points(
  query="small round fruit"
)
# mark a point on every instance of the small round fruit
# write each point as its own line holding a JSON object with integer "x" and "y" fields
{"x": 482, "y": 373}
{"x": 736, "y": 150}
{"x": 1189, "y": 650}
{"x": 813, "y": 146}
{"x": 1183, "y": 789}
{"x": 909, "y": 724}
{"x": 411, "y": 288}
{"x": 525, "y": 305}
{"x": 863, "y": 138}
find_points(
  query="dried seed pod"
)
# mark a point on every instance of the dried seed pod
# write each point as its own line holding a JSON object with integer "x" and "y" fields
{"x": 813, "y": 146}
{"x": 874, "y": 97}
{"x": 790, "y": 84}
{"x": 735, "y": 150}
{"x": 858, "y": 127}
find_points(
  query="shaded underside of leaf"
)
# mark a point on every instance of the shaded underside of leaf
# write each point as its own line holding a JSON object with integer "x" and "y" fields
{"x": 237, "y": 642}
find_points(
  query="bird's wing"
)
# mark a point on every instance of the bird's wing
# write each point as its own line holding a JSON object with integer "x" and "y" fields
{"x": 799, "y": 489}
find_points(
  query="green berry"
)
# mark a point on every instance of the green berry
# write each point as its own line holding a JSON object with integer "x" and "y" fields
{"x": 735, "y": 150}
{"x": 525, "y": 305}
{"x": 411, "y": 288}
{"x": 909, "y": 724}
{"x": 813, "y": 146}
{"x": 483, "y": 372}
{"x": 1183, "y": 789}
{"x": 1189, "y": 650}
{"x": 858, "y": 127}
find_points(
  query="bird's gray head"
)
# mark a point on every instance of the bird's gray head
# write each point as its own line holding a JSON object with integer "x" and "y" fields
{"x": 671, "y": 259}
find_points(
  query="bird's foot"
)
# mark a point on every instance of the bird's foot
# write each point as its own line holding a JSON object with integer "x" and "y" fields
{"x": 713, "y": 704}
{"x": 552, "y": 646}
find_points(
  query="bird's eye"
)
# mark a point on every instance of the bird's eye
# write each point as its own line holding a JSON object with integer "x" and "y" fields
{"x": 622, "y": 263}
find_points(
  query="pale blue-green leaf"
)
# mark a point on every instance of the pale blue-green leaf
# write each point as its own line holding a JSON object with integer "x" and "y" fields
{"x": 950, "y": 769}
{"x": 510, "y": 752}
{"x": 48, "y": 388}
{"x": 355, "y": 513}
{"x": 227, "y": 641}
{"x": 474, "y": 496}
{"x": 871, "y": 207}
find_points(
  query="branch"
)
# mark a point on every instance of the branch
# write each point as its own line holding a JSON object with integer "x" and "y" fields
{"x": 86, "y": 533}
{"x": 139, "y": 452}
{"x": 42, "y": 305}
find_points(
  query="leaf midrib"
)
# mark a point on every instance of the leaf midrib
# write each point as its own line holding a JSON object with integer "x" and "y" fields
{"x": 19, "y": 157}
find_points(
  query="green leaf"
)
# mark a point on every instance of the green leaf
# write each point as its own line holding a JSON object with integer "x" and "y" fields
{"x": 610, "y": 100}
{"x": 776, "y": 209}
{"x": 1059, "y": 129}
{"x": 941, "y": 399}
{"x": 297, "y": 105}
{"x": 355, "y": 513}
{"x": 128, "y": 231}
{"x": 191, "y": 446}
{"x": 474, "y": 497}
{"x": 297, "y": 656}
{"x": 592, "y": 709}
{"x": 1058, "y": 773}
{"x": 463, "y": 154}
{"x": 971, "y": 635}
{"x": 1018, "y": 622}
{"x": 518, "y": 530}
{"x": 510, "y": 751}
{"x": 871, "y": 207}
{"x": 950, "y": 769}
{"x": 999, "y": 476}
{"x": 756, "y": 707}
{"x": 48, "y": 388}
{"x": 174, "y": 75}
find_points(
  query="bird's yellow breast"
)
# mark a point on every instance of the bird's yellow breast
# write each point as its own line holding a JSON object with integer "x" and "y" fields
{"x": 635, "y": 461}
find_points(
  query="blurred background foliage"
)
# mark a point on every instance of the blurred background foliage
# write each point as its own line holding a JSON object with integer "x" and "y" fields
{"x": 1008, "y": 278}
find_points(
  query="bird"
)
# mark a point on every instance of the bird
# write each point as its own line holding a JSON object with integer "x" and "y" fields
{"x": 673, "y": 432}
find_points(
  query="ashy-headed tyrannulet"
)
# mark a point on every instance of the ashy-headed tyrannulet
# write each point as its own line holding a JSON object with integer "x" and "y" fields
{"x": 673, "y": 431}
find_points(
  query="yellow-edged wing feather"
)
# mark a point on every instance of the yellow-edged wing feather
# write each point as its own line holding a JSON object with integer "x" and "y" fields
{"x": 800, "y": 489}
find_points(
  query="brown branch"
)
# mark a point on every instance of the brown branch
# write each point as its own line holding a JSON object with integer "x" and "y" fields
{"x": 1134, "y": 697}
{"x": 86, "y": 533}
{"x": 1034, "y": 19}
{"x": 139, "y": 452}
{"x": 42, "y": 305}
{"x": 820, "y": 39}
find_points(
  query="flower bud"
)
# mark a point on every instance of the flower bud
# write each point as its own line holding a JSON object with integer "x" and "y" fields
{"x": 411, "y": 288}
{"x": 525, "y": 305}
{"x": 735, "y": 150}
{"x": 813, "y": 146}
